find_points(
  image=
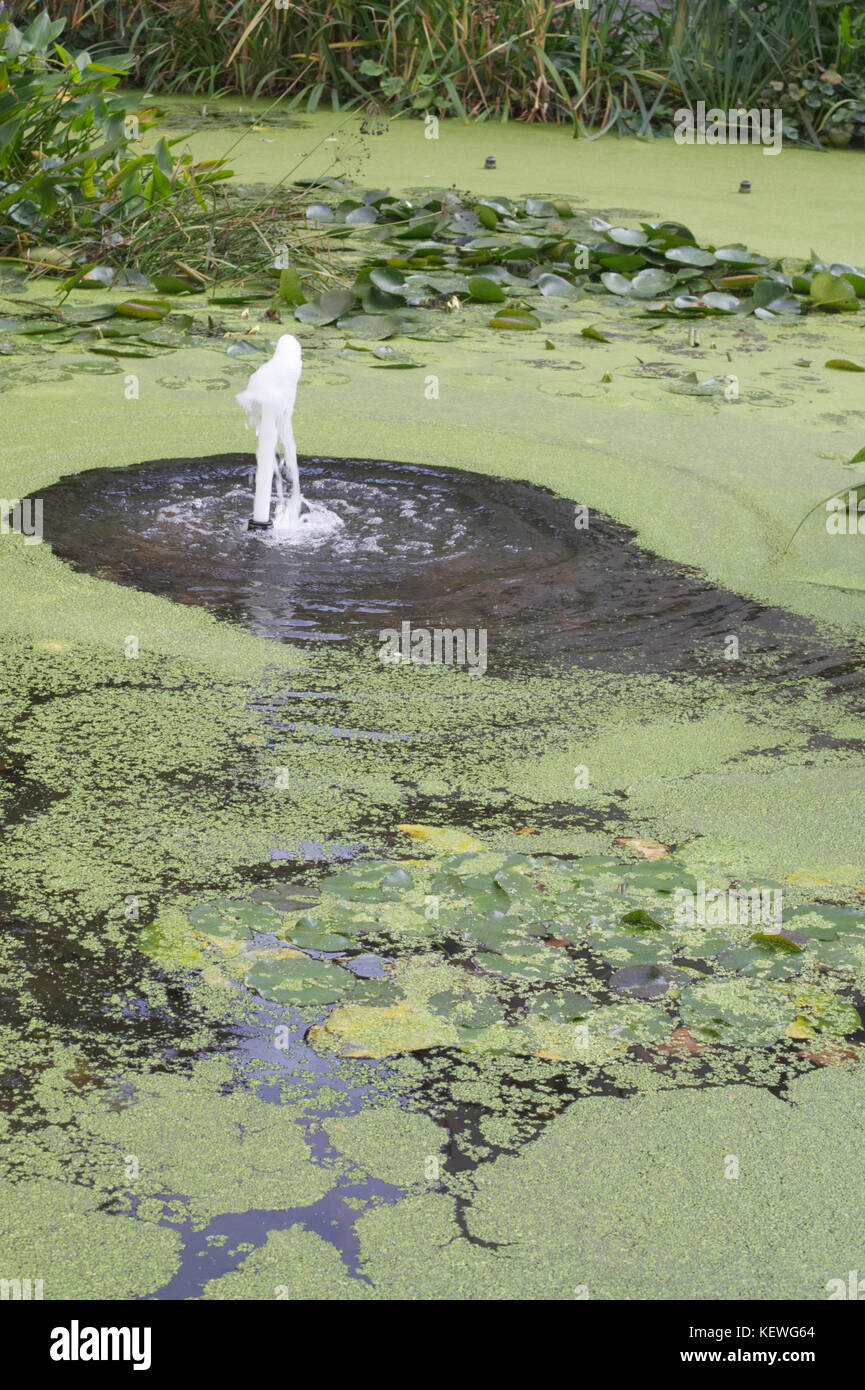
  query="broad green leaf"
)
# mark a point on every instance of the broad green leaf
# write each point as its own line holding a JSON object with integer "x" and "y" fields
{"x": 486, "y": 291}
{"x": 833, "y": 292}
{"x": 690, "y": 255}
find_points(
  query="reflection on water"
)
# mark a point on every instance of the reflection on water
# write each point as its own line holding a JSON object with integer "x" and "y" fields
{"x": 437, "y": 548}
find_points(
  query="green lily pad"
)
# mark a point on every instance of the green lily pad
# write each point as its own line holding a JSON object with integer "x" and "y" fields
{"x": 168, "y": 942}
{"x": 652, "y": 282}
{"x": 525, "y": 961}
{"x": 327, "y": 309}
{"x": 689, "y": 255}
{"x": 561, "y": 1005}
{"x": 300, "y": 981}
{"x": 143, "y": 308}
{"x": 468, "y": 1010}
{"x": 615, "y": 283}
{"x": 486, "y": 291}
{"x": 627, "y": 236}
{"x": 515, "y": 320}
{"x": 736, "y": 1011}
{"x": 760, "y": 962}
{"x": 389, "y": 279}
{"x": 218, "y": 919}
{"x": 833, "y": 292}
{"x": 309, "y": 934}
{"x": 639, "y": 918}
{"x": 823, "y": 1012}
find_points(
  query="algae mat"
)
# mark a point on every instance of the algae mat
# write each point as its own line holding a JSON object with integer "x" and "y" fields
{"x": 133, "y": 787}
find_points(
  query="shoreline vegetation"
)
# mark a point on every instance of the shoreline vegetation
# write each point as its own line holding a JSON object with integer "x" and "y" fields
{"x": 613, "y": 65}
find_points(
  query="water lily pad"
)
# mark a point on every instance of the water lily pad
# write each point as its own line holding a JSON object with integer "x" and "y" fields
{"x": 219, "y": 919}
{"x": 525, "y": 960}
{"x": 627, "y": 236}
{"x": 652, "y": 282}
{"x": 737, "y": 1011}
{"x": 486, "y": 291}
{"x": 169, "y": 942}
{"x": 639, "y": 919}
{"x": 360, "y": 1030}
{"x": 389, "y": 279}
{"x": 561, "y": 1005}
{"x": 311, "y": 935}
{"x": 515, "y": 320}
{"x": 327, "y": 309}
{"x": 833, "y": 292}
{"x": 300, "y": 980}
{"x": 143, "y": 308}
{"x": 615, "y": 283}
{"x": 467, "y": 1009}
{"x": 820, "y": 1011}
{"x": 550, "y": 284}
{"x": 689, "y": 255}
{"x": 760, "y": 962}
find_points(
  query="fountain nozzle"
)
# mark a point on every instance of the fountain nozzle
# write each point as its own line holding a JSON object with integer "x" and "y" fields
{"x": 259, "y": 525}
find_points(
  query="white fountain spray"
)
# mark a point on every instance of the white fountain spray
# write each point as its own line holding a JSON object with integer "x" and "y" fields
{"x": 269, "y": 404}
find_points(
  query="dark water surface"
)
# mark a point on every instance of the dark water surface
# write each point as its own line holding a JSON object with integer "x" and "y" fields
{"x": 433, "y": 547}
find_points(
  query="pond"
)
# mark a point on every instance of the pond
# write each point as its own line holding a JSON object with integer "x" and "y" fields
{"x": 332, "y": 977}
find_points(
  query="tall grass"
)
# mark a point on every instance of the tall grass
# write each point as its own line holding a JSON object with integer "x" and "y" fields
{"x": 609, "y": 64}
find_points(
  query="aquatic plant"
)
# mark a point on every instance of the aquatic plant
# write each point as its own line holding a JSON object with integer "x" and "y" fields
{"x": 71, "y": 169}
{"x": 612, "y": 65}
{"x": 495, "y": 952}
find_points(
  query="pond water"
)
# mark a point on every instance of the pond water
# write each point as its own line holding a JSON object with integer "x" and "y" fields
{"x": 434, "y": 547}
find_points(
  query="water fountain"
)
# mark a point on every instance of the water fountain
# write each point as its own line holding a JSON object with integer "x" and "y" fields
{"x": 269, "y": 405}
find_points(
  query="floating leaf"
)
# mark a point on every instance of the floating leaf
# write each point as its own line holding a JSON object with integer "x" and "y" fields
{"x": 486, "y": 291}
{"x": 442, "y": 839}
{"x": 616, "y": 284}
{"x": 143, "y": 308}
{"x": 736, "y": 1011}
{"x": 388, "y": 279}
{"x": 843, "y": 364}
{"x": 299, "y": 980}
{"x": 550, "y": 284}
{"x": 327, "y": 309}
{"x": 689, "y": 255}
{"x": 169, "y": 942}
{"x": 515, "y": 320}
{"x": 172, "y": 284}
{"x": 639, "y": 918}
{"x": 724, "y": 303}
{"x": 833, "y": 292}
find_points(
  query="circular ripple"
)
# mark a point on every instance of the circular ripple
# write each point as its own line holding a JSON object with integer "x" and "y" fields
{"x": 432, "y": 547}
